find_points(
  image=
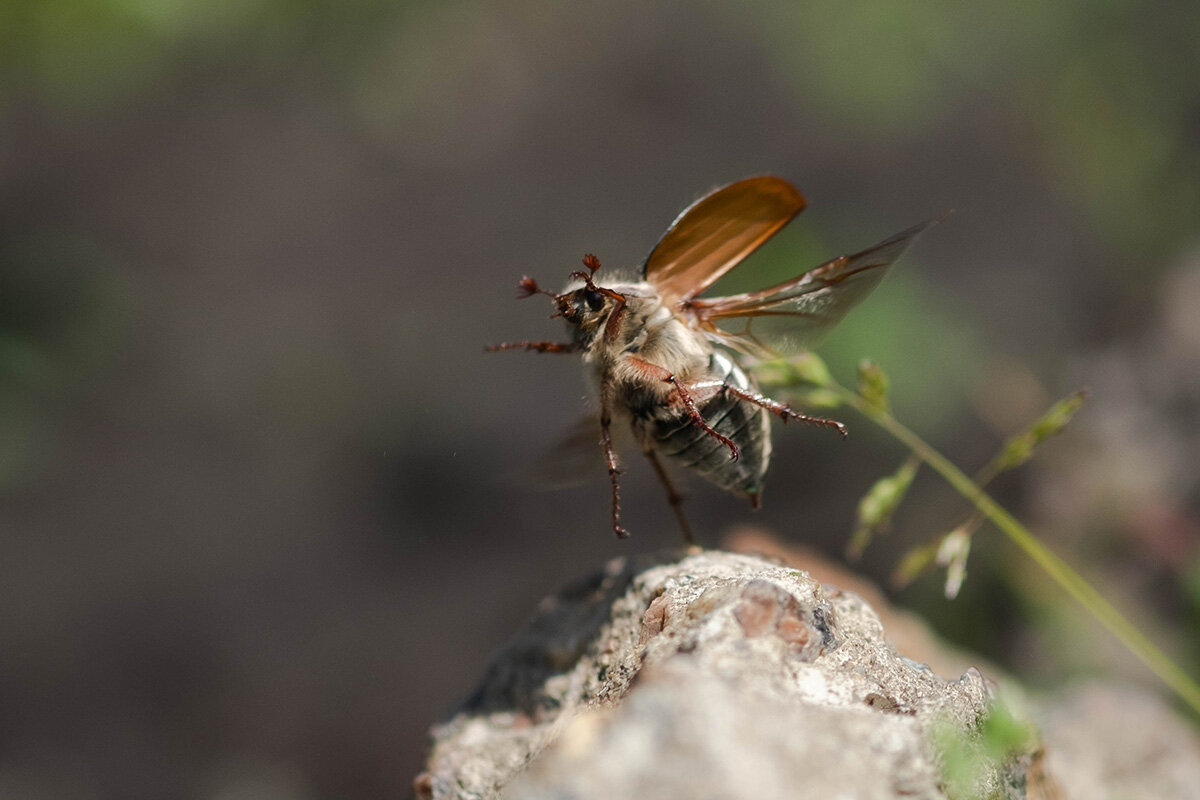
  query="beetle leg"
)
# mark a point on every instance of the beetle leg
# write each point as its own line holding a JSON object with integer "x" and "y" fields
{"x": 609, "y": 457}
{"x": 783, "y": 410}
{"x": 673, "y": 496}
{"x": 698, "y": 418}
{"x": 540, "y": 347}
{"x": 655, "y": 371}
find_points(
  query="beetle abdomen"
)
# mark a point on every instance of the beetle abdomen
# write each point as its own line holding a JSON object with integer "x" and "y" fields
{"x": 689, "y": 445}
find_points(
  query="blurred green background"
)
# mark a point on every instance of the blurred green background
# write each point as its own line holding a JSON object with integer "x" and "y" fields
{"x": 261, "y": 509}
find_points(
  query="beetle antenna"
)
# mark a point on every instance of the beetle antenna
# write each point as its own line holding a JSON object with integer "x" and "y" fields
{"x": 528, "y": 287}
{"x": 593, "y": 264}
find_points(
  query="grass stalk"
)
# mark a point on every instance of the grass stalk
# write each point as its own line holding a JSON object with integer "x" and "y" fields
{"x": 1071, "y": 581}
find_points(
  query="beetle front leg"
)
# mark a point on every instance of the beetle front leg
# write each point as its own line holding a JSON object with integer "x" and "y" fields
{"x": 538, "y": 347}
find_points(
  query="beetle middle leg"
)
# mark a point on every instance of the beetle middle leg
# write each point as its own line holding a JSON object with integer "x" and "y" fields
{"x": 689, "y": 403}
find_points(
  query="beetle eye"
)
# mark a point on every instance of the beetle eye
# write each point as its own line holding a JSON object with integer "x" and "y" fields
{"x": 595, "y": 300}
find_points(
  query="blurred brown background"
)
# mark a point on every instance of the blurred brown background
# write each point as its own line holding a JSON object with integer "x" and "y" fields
{"x": 261, "y": 514}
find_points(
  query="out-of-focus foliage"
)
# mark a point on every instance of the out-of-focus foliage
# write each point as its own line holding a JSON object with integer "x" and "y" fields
{"x": 91, "y": 52}
{"x": 1019, "y": 448}
{"x": 873, "y": 385}
{"x": 951, "y": 549}
{"x": 877, "y": 506}
{"x": 1090, "y": 89}
{"x": 1089, "y": 92}
{"x": 62, "y": 317}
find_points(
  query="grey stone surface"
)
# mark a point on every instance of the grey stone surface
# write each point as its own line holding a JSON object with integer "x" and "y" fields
{"x": 710, "y": 675}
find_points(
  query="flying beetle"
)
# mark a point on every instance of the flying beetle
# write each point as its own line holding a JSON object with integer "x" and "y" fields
{"x": 667, "y": 361}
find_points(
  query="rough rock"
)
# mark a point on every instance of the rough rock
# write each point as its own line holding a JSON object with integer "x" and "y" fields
{"x": 711, "y": 675}
{"x": 909, "y": 632}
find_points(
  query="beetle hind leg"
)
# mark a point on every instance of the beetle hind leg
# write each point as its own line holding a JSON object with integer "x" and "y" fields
{"x": 783, "y": 410}
{"x": 673, "y": 495}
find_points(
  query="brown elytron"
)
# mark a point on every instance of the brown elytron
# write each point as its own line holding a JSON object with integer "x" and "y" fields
{"x": 665, "y": 359}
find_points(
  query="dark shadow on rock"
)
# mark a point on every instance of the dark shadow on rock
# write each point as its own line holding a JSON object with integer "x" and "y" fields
{"x": 553, "y": 641}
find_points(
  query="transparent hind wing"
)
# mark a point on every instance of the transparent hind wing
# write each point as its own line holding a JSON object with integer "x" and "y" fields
{"x": 796, "y": 315}
{"x": 576, "y": 458}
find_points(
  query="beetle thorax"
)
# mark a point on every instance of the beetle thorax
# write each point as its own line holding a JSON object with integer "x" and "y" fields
{"x": 644, "y": 327}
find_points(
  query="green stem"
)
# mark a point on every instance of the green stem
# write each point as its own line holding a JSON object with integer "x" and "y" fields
{"x": 1070, "y": 580}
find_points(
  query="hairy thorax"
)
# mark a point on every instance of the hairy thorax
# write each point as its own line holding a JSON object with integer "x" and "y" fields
{"x": 647, "y": 333}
